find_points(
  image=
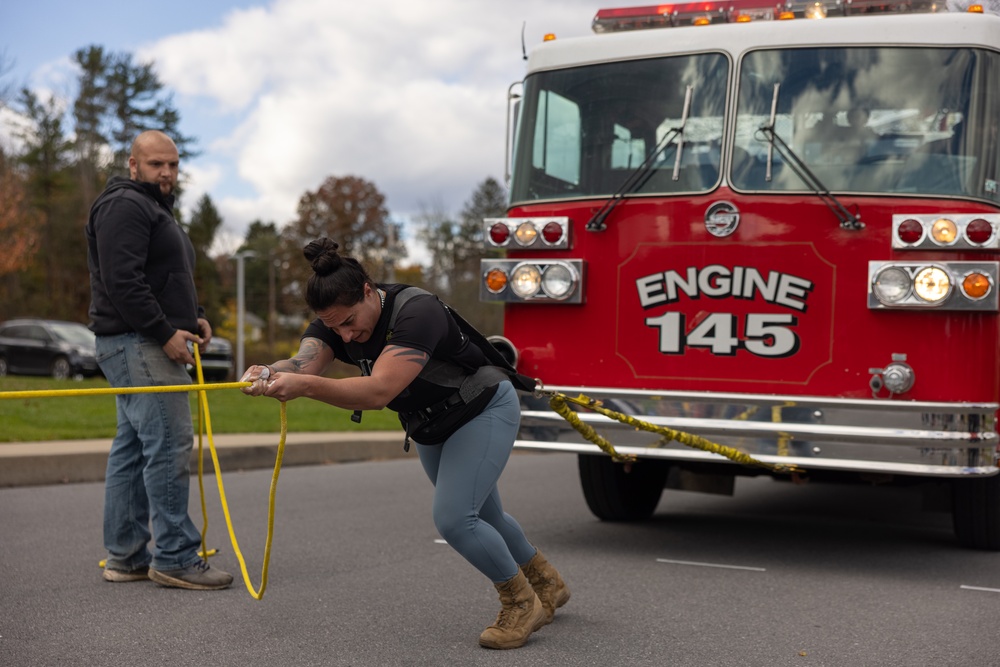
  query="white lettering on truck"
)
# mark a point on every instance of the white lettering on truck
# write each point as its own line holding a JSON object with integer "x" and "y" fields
{"x": 764, "y": 334}
{"x": 717, "y": 281}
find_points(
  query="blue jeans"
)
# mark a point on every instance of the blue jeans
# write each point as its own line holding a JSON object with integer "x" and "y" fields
{"x": 148, "y": 473}
{"x": 467, "y": 509}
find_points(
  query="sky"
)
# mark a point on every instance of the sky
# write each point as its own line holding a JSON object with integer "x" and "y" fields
{"x": 282, "y": 94}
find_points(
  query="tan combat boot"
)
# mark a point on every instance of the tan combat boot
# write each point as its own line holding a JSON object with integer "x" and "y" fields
{"x": 547, "y": 584}
{"x": 521, "y": 613}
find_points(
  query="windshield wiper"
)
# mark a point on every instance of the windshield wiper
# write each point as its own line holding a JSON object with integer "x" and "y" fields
{"x": 847, "y": 219}
{"x": 644, "y": 171}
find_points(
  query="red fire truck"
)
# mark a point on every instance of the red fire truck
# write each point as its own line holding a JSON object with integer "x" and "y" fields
{"x": 776, "y": 227}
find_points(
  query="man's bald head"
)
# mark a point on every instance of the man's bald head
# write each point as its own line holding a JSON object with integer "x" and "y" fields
{"x": 154, "y": 159}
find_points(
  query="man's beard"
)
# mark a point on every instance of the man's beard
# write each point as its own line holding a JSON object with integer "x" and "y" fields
{"x": 156, "y": 181}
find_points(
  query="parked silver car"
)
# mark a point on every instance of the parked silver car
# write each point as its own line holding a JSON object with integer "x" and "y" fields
{"x": 47, "y": 347}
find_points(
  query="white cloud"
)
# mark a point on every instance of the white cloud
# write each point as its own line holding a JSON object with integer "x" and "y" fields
{"x": 410, "y": 96}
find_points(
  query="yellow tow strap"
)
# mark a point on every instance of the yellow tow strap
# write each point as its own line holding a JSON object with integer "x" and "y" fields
{"x": 559, "y": 402}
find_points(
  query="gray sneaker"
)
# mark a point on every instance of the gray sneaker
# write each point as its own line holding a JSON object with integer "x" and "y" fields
{"x": 121, "y": 576}
{"x": 197, "y": 577}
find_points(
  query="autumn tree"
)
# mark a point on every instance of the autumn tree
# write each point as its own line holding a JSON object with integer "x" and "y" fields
{"x": 59, "y": 268}
{"x": 352, "y": 212}
{"x": 20, "y": 232}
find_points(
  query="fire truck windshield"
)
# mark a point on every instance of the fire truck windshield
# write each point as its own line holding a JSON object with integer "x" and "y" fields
{"x": 880, "y": 120}
{"x": 585, "y": 130}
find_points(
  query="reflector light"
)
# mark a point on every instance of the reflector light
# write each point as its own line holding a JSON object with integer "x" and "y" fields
{"x": 549, "y": 37}
{"x": 496, "y": 281}
{"x": 979, "y": 231}
{"x": 976, "y": 285}
{"x": 499, "y": 233}
{"x": 526, "y": 233}
{"x": 552, "y": 233}
{"x": 910, "y": 231}
{"x": 944, "y": 231}
{"x": 932, "y": 284}
{"x": 548, "y": 233}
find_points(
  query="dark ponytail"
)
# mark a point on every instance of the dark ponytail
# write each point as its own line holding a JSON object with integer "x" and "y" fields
{"x": 337, "y": 280}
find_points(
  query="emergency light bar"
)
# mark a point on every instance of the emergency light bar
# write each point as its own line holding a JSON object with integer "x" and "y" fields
{"x": 742, "y": 11}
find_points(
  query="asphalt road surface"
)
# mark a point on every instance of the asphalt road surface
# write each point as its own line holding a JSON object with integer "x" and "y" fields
{"x": 777, "y": 575}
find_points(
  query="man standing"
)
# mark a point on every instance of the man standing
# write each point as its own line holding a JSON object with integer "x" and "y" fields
{"x": 144, "y": 311}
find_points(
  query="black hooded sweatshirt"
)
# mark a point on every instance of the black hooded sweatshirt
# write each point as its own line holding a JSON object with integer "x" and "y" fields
{"x": 141, "y": 264}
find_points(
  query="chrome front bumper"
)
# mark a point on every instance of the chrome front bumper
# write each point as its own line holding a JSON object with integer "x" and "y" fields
{"x": 814, "y": 433}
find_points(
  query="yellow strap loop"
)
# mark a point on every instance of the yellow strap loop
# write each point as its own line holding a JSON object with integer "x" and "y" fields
{"x": 203, "y": 409}
{"x": 206, "y": 428}
{"x": 558, "y": 401}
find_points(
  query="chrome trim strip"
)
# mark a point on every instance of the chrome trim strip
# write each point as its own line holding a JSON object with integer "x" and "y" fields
{"x": 714, "y": 427}
{"x": 921, "y": 438}
{"x": 803, "y": 462}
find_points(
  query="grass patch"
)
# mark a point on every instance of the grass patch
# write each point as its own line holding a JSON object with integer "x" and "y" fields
{"x": 231, "y": 411}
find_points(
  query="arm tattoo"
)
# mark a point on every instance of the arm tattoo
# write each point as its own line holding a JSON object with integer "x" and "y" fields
{"x": 410, "y": 354}
{"x": 308, "y": 352}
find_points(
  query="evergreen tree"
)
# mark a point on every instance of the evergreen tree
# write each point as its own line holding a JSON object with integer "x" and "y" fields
{"x": 59, "y": 265}
{"x": 205, "y": 223}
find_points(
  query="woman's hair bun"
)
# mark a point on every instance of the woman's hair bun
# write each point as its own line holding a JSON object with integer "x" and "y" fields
{"x": 322, "y": 256}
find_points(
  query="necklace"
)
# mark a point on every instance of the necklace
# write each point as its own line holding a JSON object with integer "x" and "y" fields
{"x": 381, "y": 296}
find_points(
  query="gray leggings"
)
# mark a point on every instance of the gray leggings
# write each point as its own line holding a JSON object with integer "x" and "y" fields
{"x": 467, "y": 509}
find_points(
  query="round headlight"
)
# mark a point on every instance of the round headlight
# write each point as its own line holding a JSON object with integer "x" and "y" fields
{"x": 558, "y": 281}
{"x": 891, "y": 285}
{"x": 526, "y": 233}
{"x": 932, "y": 284}
{"x": 944, "y": 231}
{"x": 526, "y": 281}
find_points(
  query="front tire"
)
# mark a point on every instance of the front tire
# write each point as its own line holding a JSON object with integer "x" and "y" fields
{"x": 613, "y": 494}
{"x": 976, "y": 512}
{"x": 61, "y": 369}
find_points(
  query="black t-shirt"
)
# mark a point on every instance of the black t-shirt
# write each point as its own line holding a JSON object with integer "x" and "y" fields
{"x": 423, "y": 324}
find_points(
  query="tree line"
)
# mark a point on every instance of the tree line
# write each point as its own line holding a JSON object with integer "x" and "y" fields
{"x": 66, "y": 151}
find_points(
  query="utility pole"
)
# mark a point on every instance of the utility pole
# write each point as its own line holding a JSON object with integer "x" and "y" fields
{"x": 272, "y": 311}
{"x": 241, "y": 307}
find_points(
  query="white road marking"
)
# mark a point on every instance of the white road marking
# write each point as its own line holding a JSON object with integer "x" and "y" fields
{"x": 728, "y": 567}
{"x": 980, "y": 588}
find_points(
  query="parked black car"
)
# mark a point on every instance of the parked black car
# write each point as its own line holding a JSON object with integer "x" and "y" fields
{"x": 47, "y": 347}
{"x": 216, "y": 360}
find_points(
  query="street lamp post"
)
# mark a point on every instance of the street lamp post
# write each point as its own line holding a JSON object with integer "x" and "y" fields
{"x": 241, "y": 307}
